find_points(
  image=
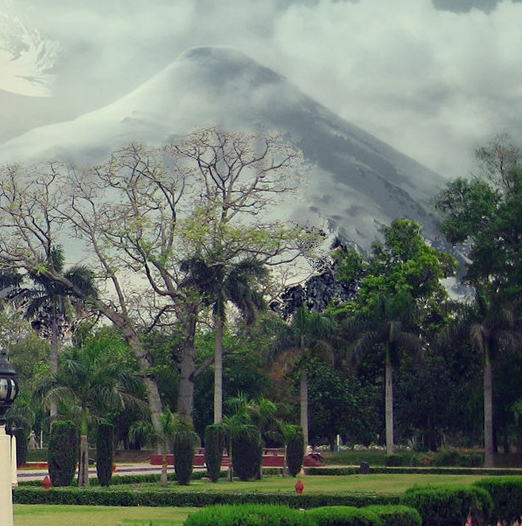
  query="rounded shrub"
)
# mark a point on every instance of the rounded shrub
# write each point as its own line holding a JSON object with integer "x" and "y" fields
{"x": 397, "y": 515}
{"x": 295, "y": 451}
{"x": 449, "y": 506}
{"x": 104, "y": 453}
{"x": 247, "y": 452}
{"x": 506, "y": 493}
{"x": 249, "y": 515}
{"x": 344, "y": 516}
{"x": 215, "y": 436}
{"x": 62, "y": 452}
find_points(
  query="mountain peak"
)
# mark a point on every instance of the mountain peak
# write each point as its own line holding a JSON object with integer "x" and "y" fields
{"x": 355, "y": 182}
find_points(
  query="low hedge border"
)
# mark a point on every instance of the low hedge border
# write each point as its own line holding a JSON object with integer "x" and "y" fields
{"x": 506, "y": 493}
{"x": 355, "y": 470}
{"x": 103, "y": 497}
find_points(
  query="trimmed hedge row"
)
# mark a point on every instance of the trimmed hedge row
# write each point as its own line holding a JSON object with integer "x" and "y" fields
{"x": 95, "y": 496}
{"x": 254, "y": 515}
{"x": 355, "y": 470}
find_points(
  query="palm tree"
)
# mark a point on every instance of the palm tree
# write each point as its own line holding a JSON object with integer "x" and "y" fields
{"x": 309, "y": 334}
{"x": 168, "y": 427}
{"x": 91, "y": 383}
{"x": 245, "y": 413}
{"x": 386, "y": 324}
{"x": 52, "y": 308}
{"x": 221, "y": 284}
{"x": 489, "y": 324}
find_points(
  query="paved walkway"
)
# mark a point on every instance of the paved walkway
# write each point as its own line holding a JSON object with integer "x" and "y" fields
{"x": 121, "y": 469}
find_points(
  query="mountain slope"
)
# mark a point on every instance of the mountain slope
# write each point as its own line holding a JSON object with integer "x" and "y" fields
{"x": 354, "y": 181}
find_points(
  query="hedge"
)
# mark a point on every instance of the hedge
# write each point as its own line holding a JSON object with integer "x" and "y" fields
{"x": 249, "y": 515}
{"x": 506, "y": 493}
{"x": 344, "y": 516}
{"x": 136, "y": 497}
{"x": 449, "y": 506}
{"x": 397, "y": 515}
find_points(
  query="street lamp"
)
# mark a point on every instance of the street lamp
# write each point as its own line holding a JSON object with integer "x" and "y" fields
{"x": 8, "y": 393}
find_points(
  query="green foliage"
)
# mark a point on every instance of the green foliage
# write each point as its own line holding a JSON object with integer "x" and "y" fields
{"x": 449, "y": 506}
{"x": 63, "y": 452}
{"x": 344, "y": 516}
{"x": 247, "y": 452}
{"x": 506, "y": 493}
{"x": 295, "y": 451}
{"x": 104, "y": 453}
{"x": 248, "y": 515}
{"x": 215, "y": 438}
{"x": 394, "y": 459}
{"x": 397, "y": 515}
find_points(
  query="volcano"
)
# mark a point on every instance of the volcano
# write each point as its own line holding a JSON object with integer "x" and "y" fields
{"x": 353, "y": 182}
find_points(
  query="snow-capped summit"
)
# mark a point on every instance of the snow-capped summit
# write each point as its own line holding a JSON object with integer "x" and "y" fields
{"x": 355, "y": 182}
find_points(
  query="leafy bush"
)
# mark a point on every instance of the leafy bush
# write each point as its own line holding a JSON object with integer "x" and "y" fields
{"x": 214, "y": 444}
{"x": 62, "y": 452}
{"x": 393, "y": 460}
{"x": 449, "y": 506}
{"x": 248, "y": 515}
{"x": 247, "y": 452}
{"x": 104, "y": 453}
{"x": 506, "y": 493}
{"x": 295, "y": 451}
{"x": 397, "y": 515}
{"x": 344, "y": 516}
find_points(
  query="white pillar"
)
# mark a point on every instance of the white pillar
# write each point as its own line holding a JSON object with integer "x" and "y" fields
{"x": 14, "y": 470}
{"x": 6, "y": 491}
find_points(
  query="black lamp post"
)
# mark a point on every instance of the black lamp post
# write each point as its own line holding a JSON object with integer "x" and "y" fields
{"x": 8, "y": 385}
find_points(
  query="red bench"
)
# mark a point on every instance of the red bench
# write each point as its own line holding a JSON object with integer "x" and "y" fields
{"x": 272, "y": 458}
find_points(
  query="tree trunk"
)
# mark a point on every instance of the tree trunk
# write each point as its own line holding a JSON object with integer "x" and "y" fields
{"x": 83, "y": 471}
{"x": 388, "y": 405}
{"x": 53, "y": 359}
{"x": 185, "y": 405}
{"x": 488, "y": 411}
{"x": 303, "y": 398}
{"x": 164, "y": 467}
{"x": 218, "y": 370}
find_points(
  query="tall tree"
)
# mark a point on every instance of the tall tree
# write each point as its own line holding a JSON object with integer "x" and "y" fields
{"x": 53, "y": 308}
{"x": 400, "y": 297}
{"x": 309, "y": 335}
{"x": 484, "y": 215}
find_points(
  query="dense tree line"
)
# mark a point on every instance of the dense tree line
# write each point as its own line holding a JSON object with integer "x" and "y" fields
{"x": 183, "y": 258}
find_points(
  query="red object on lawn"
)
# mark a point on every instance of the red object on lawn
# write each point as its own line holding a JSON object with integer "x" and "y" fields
{"x": 46, "y": 482}
{"x": 299, "y": 486}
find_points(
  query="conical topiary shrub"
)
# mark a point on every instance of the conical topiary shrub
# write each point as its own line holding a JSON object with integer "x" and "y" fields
{"x": 215, "y": 435}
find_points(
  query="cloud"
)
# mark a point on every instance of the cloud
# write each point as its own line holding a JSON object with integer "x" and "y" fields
{"x": 432, "y": 82}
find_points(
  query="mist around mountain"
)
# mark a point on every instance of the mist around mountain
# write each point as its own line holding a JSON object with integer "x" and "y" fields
{"x": 352, "y": 182}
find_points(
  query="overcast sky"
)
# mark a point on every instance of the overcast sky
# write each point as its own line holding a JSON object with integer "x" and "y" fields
{"x": 431, "y": 82}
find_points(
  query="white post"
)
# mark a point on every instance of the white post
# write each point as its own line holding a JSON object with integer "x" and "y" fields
{"x": 14, "y": 470}
{"x": 6, "y": 491}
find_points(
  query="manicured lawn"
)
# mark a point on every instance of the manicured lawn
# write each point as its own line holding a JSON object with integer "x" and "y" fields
{"x": 372, "y": 483}
{"x": 33, "y": 515}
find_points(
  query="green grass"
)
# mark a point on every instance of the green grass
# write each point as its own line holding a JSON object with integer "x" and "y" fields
{"x": 31, "y": 515}
{"x": 34, "y": 515}
{"x": 372, "y": 483}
